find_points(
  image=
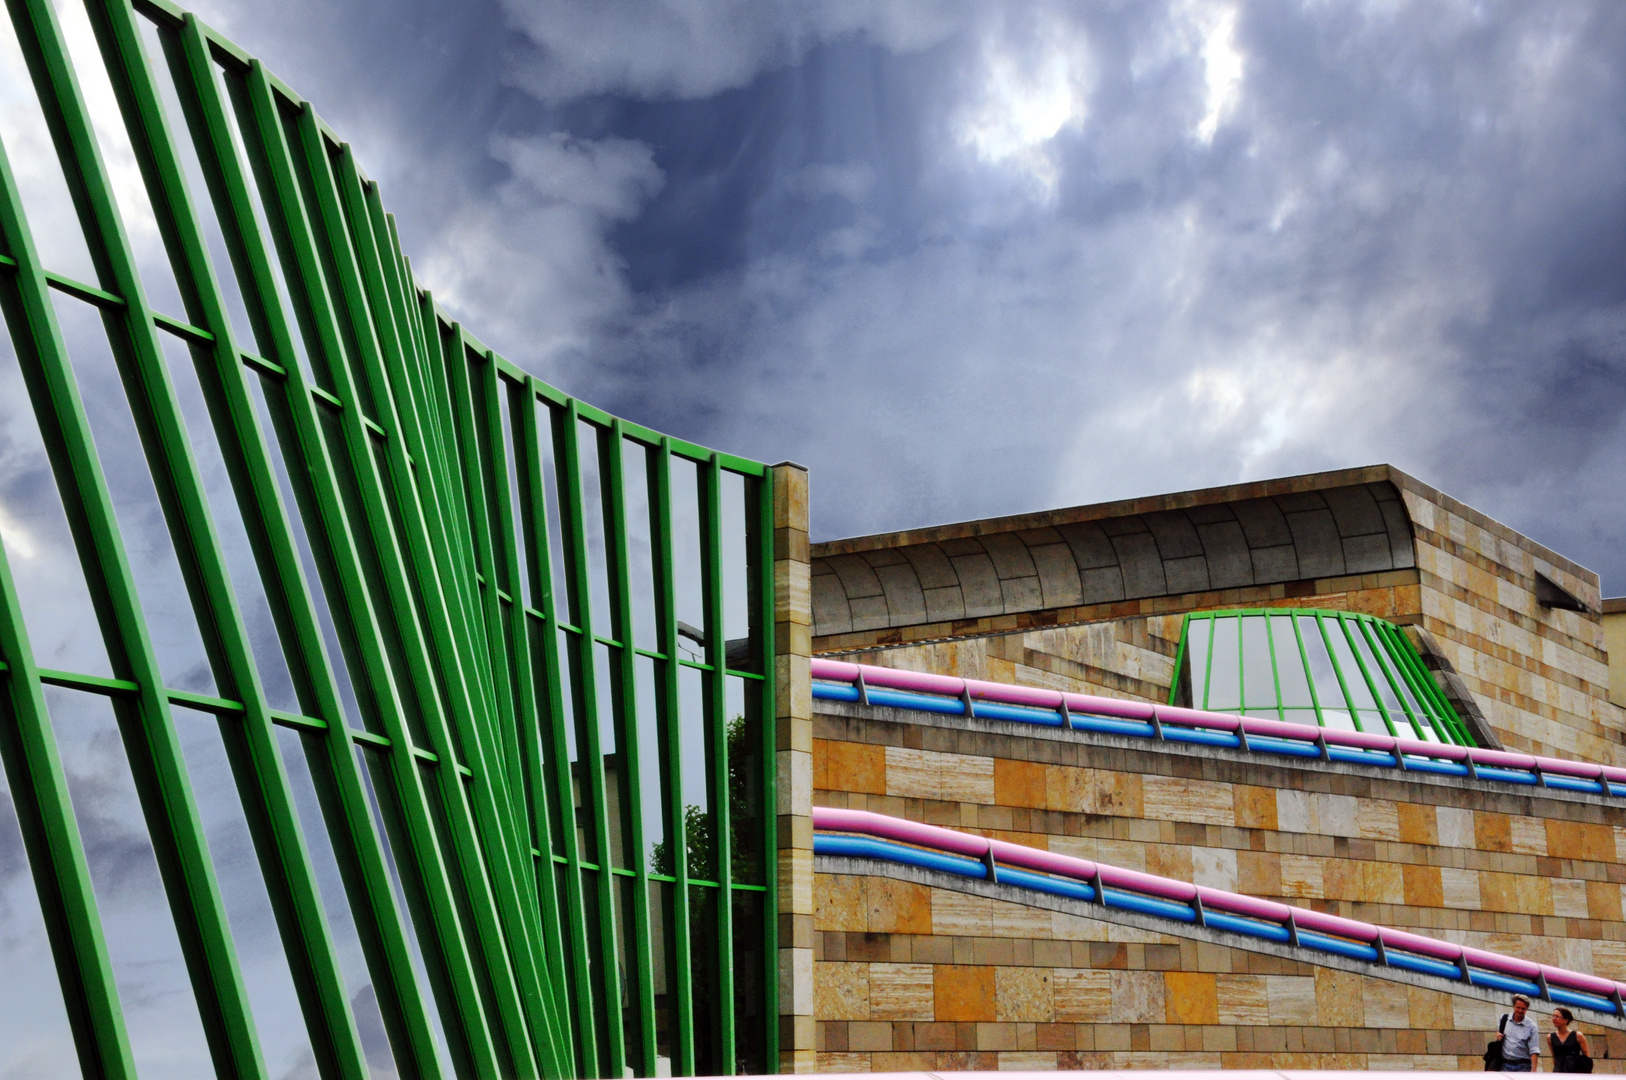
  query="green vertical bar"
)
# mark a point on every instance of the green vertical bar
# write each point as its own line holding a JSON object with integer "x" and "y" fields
{"x": 1179, "y": 661}
{"x": 146, "y": 723}
{"x": 1309, "y": 679}
{"x": 766, "y": 719}
{"x": 711, "y": 493}
{"x": 1275, "y": 674}
{"x": 592, "y": 753}
{"x": 355, "y": 841}
{"x": 263, "y": 786}
{"x": 1208, "y": 666}
{"x": 1366, "y": 676}
{"x": 618, "y": 561}
{"x": 426, "y": 637}
{"x": 677, "y": 837}
{"x": 552, "y": 730}
{"x": 1338, "y": 670}
{"x": 471, "y": 1036}
{"x": 39, "y": 789}
{"x": 1374, "y": 640}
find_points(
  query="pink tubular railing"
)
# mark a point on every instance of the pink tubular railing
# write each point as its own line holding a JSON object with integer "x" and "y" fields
{"x": 974, "y": 690}
{"x": 828, "y": 820}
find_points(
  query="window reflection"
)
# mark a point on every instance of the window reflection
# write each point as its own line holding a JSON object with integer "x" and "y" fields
{"x": 1336, "y": 669}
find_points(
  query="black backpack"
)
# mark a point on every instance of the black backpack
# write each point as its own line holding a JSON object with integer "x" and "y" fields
{"x": 1493, "y": 1050}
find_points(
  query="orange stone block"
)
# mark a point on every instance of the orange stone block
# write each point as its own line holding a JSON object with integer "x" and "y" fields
{"x": 1019, "y": 783}
{"x": 1493, "y": 832}
{"x": 963, "y": 993}
{"x": 1190, "y": 997}
{"x": 1255, "y": 807}
{"x": 844, "y": 766}
{"x": 1422, "y": 886}
{"x": 1603, "y": 900}
{"x": 1418, "y": 824}
{"x": 898, "y": 907}
{"x": 1575, "y": 840}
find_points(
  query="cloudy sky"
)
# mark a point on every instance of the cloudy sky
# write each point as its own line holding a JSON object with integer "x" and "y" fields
{"x": 966, "y": 259}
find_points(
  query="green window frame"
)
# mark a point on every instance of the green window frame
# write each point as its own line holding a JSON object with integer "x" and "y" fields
{"x": 421, "y": 520}
{"x": 1358, "y": 671}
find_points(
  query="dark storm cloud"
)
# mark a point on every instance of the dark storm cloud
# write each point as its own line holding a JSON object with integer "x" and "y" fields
{"x": 964, "y": 259}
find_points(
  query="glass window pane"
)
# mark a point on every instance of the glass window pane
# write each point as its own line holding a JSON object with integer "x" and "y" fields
{"x": 160, "y": 1011}
{"x": 1327, "y": 691}
{"x": 37, "y": 169}
{"x": 652, "y": 787}
{"x": 697, "y": 818}
{"x": 661, "y": 952}
{"x": 1198, "y": 632}
{"x": 703, "y": 979}
{"x": 171, "y": 624}
{"x": 266, "y": 975}
{"x": 1224, "y": 668}
{"x": 1376, "y": 667}
{"x": 737, "y": 591}
{"x": 750, "y": 996}
{"x": 616, "y": 790}
{"x": 745, "y": 795}
{"x": 57, "y": 609}
{"x": 1295, "y": 685}
{"x": 1259, "y": 677}
{"x": 1300, "y": 716}
{"x": 39, "y": 1040}
{"x": 1360, "y": 695}
{"x": 594, "y": 526}
{"x": 687, "y": 579}
{"x": 303, "y": 756}
{"x": 512, "y": 396}
{"x": 253, "y": 606}
{"x": 640, "y": 545}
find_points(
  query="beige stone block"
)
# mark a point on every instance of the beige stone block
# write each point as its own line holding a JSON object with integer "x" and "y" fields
{"x": 1293, "y": 812}
{"x": 1377, "y": 819}
{"x": 1214, "y": 867}
{"x": 1470, "y": 1014}
{"x": 900, "y": 992}
{"x": 841, "y": 991}
{"x": 926, "y": 774}
{"x": 961, "y": 914}
{"x": 1609, "y": 959}
{"x": 897, "y": 907}
{"x": 1336, "y": 815}
{"x": 1170, "y": 798}
{"x": 796, "y": 880}
{"x": 1338, "y": 998}
{"x": 1302, "y": 877}
{"x": 1456, "y": 827}
{"x": 1292, "y": 999}
{"x": 1082, "y": 996}
{"x": 843, "y": 1062}
{"x": 1459, "y": 889}
{"x": 1569, "y": 898}
{"x": 1020, "y": 920}
{"x": 1242, "y": 999}
{"x": 1027, "y": 1061}
{"x": 1528, "y": 835}
{"x": 1024, "y": 995}
{"x": 869, "y": 1036}
{"x": 1137, "y": 997}
{"x": 1384, "y": 1004}
{"x": 839, "y": 902}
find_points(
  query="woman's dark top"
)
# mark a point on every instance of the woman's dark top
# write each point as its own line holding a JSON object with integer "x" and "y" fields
{"x": 1565, "y": 1053}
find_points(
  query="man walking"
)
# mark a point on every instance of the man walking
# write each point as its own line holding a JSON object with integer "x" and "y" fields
{"x": 1521, "y": 1051}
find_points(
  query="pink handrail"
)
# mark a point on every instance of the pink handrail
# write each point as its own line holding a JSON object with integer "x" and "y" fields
{"x": 1037, "y": 697}
{"x": 883, "y": 827}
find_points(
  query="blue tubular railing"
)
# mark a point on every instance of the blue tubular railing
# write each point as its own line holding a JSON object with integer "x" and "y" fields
{"x": 950, "y": 696}
{"x": 864, "y": 835}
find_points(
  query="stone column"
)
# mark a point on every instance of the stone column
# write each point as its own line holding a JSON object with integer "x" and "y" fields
{"x": 793, "y": 694}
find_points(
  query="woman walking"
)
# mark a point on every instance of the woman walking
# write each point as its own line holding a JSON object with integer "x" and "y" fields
{"x": 1568, "y": 1045}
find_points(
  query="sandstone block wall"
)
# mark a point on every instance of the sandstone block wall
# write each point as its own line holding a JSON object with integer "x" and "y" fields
{"x": 915, "y": 978}
{"x": 1534, "y": 874}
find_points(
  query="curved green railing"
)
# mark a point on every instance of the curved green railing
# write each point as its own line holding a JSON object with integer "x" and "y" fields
{"x": 1327, "y": 668}
{"x": 478, "y": 672}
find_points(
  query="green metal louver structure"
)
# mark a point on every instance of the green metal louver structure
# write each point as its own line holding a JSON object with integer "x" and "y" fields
{"x": 429, "y": 699}
{"x": 1338, "y": 669}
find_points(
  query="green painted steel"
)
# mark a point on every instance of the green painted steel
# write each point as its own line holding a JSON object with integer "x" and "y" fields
{"x": 490, "y": 668}
{"x": 1330, "y": 668}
